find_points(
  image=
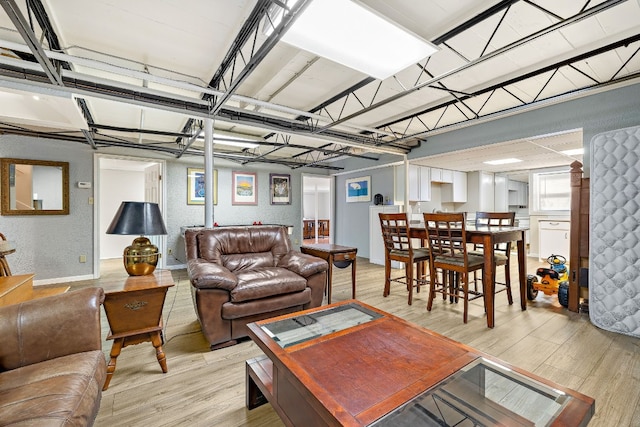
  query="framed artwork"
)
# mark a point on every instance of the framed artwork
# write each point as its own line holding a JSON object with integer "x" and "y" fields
{"x": 195, "y": 186}
{"x": 280, "y": 188}
{"x": 359, "y": 189}
{"x": 245, "y": 188}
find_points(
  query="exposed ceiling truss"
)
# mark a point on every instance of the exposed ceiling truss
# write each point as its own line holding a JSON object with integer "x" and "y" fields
{"x": 360, "y": 121}
{"x": 424, "y": 80}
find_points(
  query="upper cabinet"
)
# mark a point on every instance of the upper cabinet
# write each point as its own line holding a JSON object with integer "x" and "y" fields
{"x": 419, "y": 183}
{"x": 456, "y": 191}
{"x": 442, "y": 176}
{"x": 419, "y": 180}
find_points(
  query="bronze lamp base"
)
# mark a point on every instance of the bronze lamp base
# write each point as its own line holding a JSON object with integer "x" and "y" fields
{"x": 141, "y": 257}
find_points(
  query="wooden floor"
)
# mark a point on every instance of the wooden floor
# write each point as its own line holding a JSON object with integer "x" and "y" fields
{"x": 205, "y": 388}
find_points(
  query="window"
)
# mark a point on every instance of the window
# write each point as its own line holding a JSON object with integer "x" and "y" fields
{"x": 551, "y": 191}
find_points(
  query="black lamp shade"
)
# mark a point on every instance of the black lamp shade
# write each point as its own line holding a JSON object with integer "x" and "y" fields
{"x": 141, "y": 218}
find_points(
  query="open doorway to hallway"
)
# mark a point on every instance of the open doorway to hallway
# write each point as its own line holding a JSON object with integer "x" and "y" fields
{"x": 124, "y": 179}
{"x": 316, "y": 209}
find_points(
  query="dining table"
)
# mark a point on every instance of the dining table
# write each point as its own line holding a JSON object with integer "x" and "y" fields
{"x": 488, "y": 236}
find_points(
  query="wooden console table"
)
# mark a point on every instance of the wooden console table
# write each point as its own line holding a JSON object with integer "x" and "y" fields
{"x": 134, "y": 311}
{"x": 340, "y": 256}
{"x": 19, "y": 288}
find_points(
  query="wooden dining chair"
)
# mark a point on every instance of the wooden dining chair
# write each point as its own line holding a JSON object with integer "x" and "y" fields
{"x": 398, "y": 247}
{"x": 447, "y": 237}
{"x": 501, "y": 251}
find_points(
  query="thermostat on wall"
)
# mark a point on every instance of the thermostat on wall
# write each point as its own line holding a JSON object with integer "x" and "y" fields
{"x": 83, "y": 184}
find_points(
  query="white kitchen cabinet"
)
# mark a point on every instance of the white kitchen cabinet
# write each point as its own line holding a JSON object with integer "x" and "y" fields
{"x": 419, "y": 183}
{"x": 376, "y": 244}
{"x": 480, "y": 192}
{"x": 441, "y": 176}
{"x": 501, "y": 195}
{"x": 553, "y": 238}
{"x": 456, "y": 192}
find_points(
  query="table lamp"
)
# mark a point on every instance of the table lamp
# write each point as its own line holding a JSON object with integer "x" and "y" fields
{"x": 142, "y": 218}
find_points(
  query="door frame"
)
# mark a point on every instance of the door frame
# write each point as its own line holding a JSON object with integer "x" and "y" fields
{"x": 162, "y": 240}
{"x": 331, "y": 181}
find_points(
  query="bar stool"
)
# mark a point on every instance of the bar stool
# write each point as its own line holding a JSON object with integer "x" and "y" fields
{"x": 397, "y": 242}
{"x": 502, "y": 252}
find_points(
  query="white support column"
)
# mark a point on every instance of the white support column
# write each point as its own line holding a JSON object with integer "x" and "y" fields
{"x": 208, "y": 173}
{"x": 406, "y": 186}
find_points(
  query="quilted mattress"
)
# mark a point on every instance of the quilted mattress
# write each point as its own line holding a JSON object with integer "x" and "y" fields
{"x": 614, "y": 258}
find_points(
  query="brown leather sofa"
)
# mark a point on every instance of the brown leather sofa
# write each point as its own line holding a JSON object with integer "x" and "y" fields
{"x": 51, "y": 362}
{"x": 242, "y": 274}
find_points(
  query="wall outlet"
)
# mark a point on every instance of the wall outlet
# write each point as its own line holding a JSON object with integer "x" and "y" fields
{"x": 83, "y": 258}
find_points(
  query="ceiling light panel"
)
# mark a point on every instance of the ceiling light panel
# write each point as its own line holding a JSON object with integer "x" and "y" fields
{"x": 352, "y": 35}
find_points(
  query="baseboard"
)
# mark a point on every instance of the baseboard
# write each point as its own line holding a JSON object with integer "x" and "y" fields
{"x": 56, "y": 280}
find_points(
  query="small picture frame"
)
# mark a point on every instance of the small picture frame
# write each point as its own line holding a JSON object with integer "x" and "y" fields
{"x": 280, "y": 188}
{"x": 245, "y": 188}
{"x": 195, "y": 186}
{"x": 359, "y": 189}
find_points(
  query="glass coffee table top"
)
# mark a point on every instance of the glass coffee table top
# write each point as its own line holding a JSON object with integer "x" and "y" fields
{"x": 480, "y": 394}
{"x": 295, "y": 330}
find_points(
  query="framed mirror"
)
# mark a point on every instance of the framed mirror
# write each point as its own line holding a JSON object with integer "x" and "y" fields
{"x": 34, "y": 187}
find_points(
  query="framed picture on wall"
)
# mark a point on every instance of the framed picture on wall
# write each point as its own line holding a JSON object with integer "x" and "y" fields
{"x": 280, "y": 189}
{"x": 245, "y": 188}
{"x": 359, "y": 189}
{"x": 195, "y": 186}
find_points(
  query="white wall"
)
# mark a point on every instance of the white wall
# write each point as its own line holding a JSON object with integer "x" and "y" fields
{"x": 117, "y": 186}
{"x": 309, "y": 207}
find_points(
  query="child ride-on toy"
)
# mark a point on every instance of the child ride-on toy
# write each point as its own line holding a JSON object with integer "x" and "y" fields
{"x": 553, "y": 280}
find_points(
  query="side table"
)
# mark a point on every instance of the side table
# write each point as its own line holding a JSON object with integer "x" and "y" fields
{"x": 134, "y": 310}
{"x": 340, "y": 256}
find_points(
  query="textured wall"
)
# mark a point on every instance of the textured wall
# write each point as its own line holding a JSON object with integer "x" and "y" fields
{"x": 180, "y": 214}
{"x": 352, "y": 219}
{"x": 50, "y": 245}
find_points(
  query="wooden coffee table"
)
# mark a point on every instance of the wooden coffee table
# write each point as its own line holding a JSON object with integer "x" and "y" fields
{"x": 353, "y": 365}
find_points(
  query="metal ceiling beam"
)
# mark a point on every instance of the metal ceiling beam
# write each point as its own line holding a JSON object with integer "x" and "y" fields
{"x": 554, "y": 27}
{"x": 287, "y": 20}
{"x": 534, "y": 73}
{"x": 12, "y": 10}
{"x": 38, "y": 52}
{"x": 157, "y": 147}
{"x": 251, "y": 22}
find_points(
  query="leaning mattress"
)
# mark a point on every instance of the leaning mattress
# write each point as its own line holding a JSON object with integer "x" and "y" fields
{"x": 614, "y": 259}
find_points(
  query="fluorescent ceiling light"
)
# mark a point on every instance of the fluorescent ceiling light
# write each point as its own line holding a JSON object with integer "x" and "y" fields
{"x": 232, "y": 141}
{"x": 573, "y": 152}
{"x": 352, "y": 35}
{"x": 502, "y": 161}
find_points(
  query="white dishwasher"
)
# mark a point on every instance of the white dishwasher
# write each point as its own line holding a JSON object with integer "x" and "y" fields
{"x": 554, "y": 238}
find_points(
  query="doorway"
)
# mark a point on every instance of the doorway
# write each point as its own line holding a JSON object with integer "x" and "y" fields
{"x": 123, "y": 179}
{"x": 316, "y": 209}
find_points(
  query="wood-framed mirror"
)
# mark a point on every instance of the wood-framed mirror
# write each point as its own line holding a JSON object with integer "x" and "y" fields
{"x": 34, "y": 187}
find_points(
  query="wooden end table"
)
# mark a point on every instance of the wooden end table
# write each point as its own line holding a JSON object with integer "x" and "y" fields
{"x": 134, "y": 311}
{"x": 340, "y": 256}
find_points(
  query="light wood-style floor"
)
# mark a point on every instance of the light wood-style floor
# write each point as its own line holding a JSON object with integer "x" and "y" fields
{"x": 205, "y": 388}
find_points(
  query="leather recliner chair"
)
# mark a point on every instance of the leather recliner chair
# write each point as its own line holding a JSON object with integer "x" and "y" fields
{"x": 242, "y": 274}
{"x": 52, "y": 367}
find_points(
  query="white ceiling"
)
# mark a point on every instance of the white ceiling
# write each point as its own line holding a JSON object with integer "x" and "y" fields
{"x": 143, "y": 67}
{"x": 544, "y": 151}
